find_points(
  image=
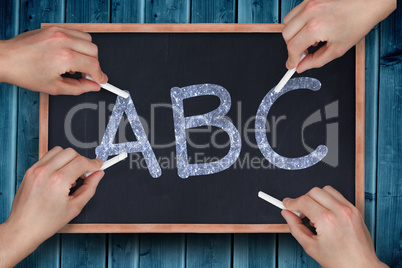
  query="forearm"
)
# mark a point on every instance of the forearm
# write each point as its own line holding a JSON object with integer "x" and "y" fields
{"x": 14, "y": 245}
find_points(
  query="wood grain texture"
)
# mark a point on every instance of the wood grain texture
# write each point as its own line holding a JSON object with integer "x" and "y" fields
{"x": 32, "y": 13}
{"x": 162, "y": 250}
{"x": 209, "y": 250}
{"x": 371, "y": 124}
{"x": 128, "y": 11}
{"x": 213, "y": 11}
{"x": 256, "y": 250}
{"x": 124, "y": 250}
{"x": 168, "y": 11}
{"x": 8, "y": 117}
{"x": 389, "y": 185}
{"x": 83, "y": 250}
{"x": 290, "y": 253}
{"x": 258, "y": 11}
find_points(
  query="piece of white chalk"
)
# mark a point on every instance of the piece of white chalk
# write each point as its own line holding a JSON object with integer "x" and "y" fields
{"x": 109, "y": 87}
{"x": 275, "y": 202}
{"x": 288, "y": 75}
{"x": 109, "y": 163}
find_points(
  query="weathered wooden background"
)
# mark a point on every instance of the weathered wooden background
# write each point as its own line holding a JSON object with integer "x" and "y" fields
{"x": 19, "y": 142}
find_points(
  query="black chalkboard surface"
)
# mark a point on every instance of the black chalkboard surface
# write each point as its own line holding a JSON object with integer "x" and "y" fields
{"x": 248, "y": 64}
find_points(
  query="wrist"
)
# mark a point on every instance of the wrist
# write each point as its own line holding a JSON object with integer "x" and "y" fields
{"x": 4, "y": 61}
{"x": 15, "y": 244}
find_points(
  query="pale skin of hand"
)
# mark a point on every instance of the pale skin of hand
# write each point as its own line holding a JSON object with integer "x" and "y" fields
{"x": 341, "y": 23}
{"x": 342, "y": 238}
{"x": 43, "y": 206}
{"x": 36, "y": 60}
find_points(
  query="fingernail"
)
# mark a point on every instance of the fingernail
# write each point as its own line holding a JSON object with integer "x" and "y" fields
{"x": 99, "y": 160}
{"x": 286, "y": 199}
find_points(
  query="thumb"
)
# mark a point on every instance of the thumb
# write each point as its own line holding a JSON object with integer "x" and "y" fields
{"x": 302, "y": 234}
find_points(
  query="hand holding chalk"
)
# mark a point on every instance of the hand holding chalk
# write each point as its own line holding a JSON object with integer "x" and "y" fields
{"x": 110, "y": 87}
{"x": 275, "y": 202}
{"x": 342, "y": 238}
{"x": 288, "y": 75}
{"x": 109, "y": 163}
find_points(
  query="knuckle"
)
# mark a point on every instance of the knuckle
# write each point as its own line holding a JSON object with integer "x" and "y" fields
{"x": 328, "y": 218}
{"x": 58, "y": 176}
{"x": 88, "y": 36}
{"x": 314, "y": 191}
{"x": 39, "y": 171}
{"x": 30, "y": 172}
{"x": 82, "y": 160}
{"x": 285, "y": 35}
{"x": 71, "y": 151}
{"x": 59, "y": 35}
{"x": 312, "y": 6}
{"x": 94, "y": 49}
{"x": 327, "y": 187}
{"x": 313, "y": 26}
{"x": 303, "y": 199}
{"x": 65, "y": 54}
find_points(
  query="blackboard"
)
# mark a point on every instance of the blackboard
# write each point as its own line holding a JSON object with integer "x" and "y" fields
{"x": 247, "y": 61}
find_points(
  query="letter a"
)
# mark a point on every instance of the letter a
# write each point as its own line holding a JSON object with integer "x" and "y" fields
{"x": 107, "y": 148}
{"x": 213, "y": 118}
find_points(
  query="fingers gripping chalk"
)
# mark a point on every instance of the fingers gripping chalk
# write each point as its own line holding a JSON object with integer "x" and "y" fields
{"x": 275, "y": 202}
{"x": 110, "y": 88}
{"x": 288, "y": 75}
{"x": 280, "y": 205}
{"x": 109, "y": 163}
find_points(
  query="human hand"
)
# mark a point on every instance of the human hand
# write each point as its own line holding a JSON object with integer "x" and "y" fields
{"x": 341, "y": 23}
{"x": 342, "y": 238}
{"x": 36, "y": 60}
{"x": 42, "y": 205}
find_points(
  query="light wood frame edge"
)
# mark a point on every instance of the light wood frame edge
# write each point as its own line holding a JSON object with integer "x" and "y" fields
{"x": 204, "y": 228}
{"x": 360, "y": 118}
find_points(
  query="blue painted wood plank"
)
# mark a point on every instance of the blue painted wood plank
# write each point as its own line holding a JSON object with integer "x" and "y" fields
{"x": 8, "y": 117}
{"x": 290, "y": 253}
{"x": 371, "y": 125}
{"x": 389, "y": 184}
{"x": 162, "y": 250}
{"x": 85, "y": 249}
{"x": 91, "y": 11}
{"x": 209, "y": 250}
{"x": 127, "y": 11}
{"x": 124, "y": 249}
{"x": 212, "y": 11}
{"x": 32, "y": 14}
{"x": 256, "y": 250}
{"x": 258, "y": 11}
{"x": 168, "y": 11}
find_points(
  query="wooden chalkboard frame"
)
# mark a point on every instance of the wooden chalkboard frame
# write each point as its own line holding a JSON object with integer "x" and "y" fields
{"x": 205, "y": 228}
